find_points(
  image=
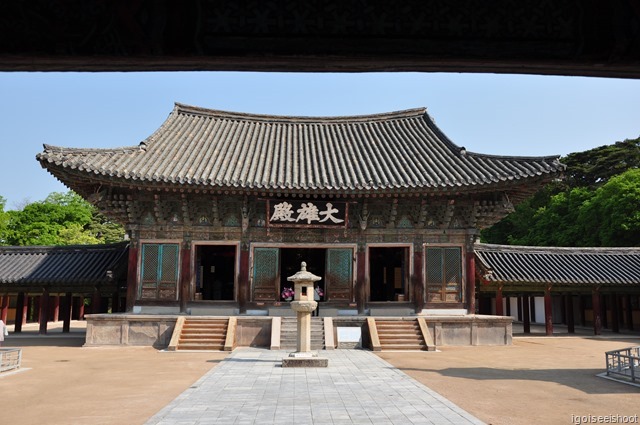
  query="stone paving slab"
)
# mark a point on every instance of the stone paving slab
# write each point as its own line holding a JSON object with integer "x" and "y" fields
{"x": 251, "y": 387}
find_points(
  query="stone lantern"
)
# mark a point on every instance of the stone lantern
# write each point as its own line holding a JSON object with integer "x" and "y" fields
{"x": 304, "y": 304}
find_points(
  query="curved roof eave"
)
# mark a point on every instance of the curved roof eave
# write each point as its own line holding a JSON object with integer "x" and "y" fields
{"x": 405, "y": 150}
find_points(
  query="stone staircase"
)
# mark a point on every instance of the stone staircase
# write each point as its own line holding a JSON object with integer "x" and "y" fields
{"x": 289, "y": 333}
{"x": 200, "y": 334}
{"x": 407, "y": 335}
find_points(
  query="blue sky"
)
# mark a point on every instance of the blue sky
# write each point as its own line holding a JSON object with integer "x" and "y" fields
{"x": 487, "y": 113}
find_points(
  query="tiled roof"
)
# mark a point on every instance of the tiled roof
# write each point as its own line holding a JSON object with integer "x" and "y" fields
{"x": 203, "y": 148}
{"x": 561, "y": 266}
{"x": 50, "y": 265}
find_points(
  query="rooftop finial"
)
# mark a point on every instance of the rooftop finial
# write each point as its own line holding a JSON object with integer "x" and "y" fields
{"x": 303, "y": 266}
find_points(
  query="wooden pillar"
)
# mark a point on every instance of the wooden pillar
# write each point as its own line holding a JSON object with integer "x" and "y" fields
{"x": 597, "y": 313}
{"x": 35, "y": 309}
{"x": 548, "y": 311}
{"x": 96, "y": 301}
{"x": 471, "y": 281}
{"x": 628, "y": 311}
{"x": 132, "y": 276}
{"x": 104, "y": 304}
{"x": 75, "y": 308}
{"x": 603, "y": 311}
{"x": 581, "y": 310}
{"x": 499, "y": 308}
{"x": 532, "y": 308}
{"x": 615, "y": 313}
{"x": 563, "y": 309}
{"x": 4, "y": 308}
{"x": 244, "y": 291}
{"x": 81, "y": 307}
{"x": 418, "y": 282}
{"x": 361, "y": 283}
{"x": 115, "y": 302}
{"x": 43, "y": 312}
{"x": 66, "y": 312}
{"x": 526, "y": 319}
{"x": 519, "y": 303}
{"x": 568, "y": 299}
{"x": 55, "y": 307}
{"x": 185, "y": 276}
{"x": 508, "y": 305}
{"x": 21, "y": 311}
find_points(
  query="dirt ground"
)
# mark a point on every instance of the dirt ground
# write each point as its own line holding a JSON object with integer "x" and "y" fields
{"x": 536, "y": 380}
{"x": 65, "y": 383}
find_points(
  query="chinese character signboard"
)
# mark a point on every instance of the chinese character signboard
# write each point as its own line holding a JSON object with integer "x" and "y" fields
{"x": 307, "y": 213}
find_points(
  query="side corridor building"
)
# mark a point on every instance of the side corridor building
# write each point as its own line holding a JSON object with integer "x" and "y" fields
{"x": 597, "y": 287}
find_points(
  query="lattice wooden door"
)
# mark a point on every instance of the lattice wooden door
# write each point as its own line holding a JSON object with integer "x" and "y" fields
{"x": 160, "y": 271}
{"x": 444, "y": 274}
{"x": 266, "y": 274}
{"x": 339, "y": 274}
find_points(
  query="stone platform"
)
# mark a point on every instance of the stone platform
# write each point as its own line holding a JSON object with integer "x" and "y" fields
{"x": 256, "y": 331}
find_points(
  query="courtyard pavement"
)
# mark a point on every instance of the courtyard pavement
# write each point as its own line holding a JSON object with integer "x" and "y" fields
{"x": 251, "y": 387}
{"x": 538, "y": 379}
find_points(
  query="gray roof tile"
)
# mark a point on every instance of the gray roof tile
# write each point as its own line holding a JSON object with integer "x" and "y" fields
{"x": 215, "y": 149}
{"x": 508, "y": 264}
{"x": 46, "y": 265}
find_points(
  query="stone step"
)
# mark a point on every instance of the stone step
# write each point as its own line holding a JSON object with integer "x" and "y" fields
{"x": 400, "y": 340}
{"x": 400, "y": 335}
{"x": 408, "y": 347}
{"x": 205, "y": 326}
{"x": 405, "y": 334}
{"x": 196, "y": 346}
{"x": 402, "y": 324}
{"x": 203, "y": 334}
{"x": 289, "y": 333}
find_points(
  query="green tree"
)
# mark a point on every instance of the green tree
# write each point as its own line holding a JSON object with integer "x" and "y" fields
{"x": 61, "y": 219}
{"x": 516, "y": 227}
{"x": 4, "y": 221}
{"x": 594, "y": 167}
{"x": 576, "y": 212}
{"x": 557, "y": 223}
{"x": 105, "y": 230}
{"x": 612, "y": 216}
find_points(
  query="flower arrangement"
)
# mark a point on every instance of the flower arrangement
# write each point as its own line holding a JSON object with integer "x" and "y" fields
{"x": 287, "y": 293}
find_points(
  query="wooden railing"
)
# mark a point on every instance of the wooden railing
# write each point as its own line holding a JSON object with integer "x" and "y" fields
{"x": 624, "y": 363}
{"x": 10, "y": 358}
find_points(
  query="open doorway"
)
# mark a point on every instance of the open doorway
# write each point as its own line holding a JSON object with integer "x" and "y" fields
{"x": 291, "y": 258}
{"x": 215, "y": 272}
{"x": 388, "y": 268}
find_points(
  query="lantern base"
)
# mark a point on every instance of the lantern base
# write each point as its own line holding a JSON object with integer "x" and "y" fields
{"x": 308, "y": 360}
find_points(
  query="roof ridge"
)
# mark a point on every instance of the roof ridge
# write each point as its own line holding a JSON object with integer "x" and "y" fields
{"x": 59, "y": 149}
{"x": 62, "y": 248}
{"x": 574, "y": 249}
{"x": 246, "y": 116}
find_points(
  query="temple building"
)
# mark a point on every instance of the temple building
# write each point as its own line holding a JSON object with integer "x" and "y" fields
{"x": 221, "y": 207}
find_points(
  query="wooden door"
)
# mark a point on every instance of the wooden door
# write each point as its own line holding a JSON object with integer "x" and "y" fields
{"x": 339, "y": 274}
{"x": 266, "y": 274}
